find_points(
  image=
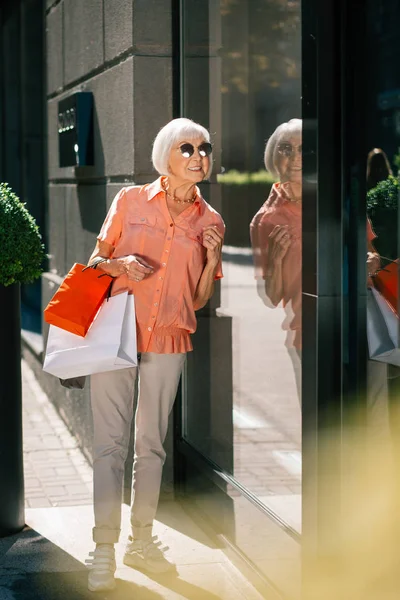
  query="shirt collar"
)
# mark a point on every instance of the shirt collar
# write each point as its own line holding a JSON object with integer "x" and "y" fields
{"x": 153, "y": 189}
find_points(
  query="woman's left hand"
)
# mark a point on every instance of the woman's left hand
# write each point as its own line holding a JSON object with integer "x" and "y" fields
{"x": 212, "y": 240}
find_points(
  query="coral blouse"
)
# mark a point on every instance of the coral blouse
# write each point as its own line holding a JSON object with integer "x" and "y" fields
{"x": 140, "y": 223}
{"x": 279, "y": 210}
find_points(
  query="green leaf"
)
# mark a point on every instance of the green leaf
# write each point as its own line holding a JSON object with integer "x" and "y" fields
{"x": 22, "y": 251}
{"x": 382, "y": 208}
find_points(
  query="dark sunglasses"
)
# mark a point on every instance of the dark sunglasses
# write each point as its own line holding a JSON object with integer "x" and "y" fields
{"x": 286, "y": 149}
{"x": 187, "y": 150}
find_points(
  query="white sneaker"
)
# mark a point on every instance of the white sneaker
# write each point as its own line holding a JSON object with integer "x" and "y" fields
{"x": 147, "y": 555}
{"x": 102, "y": 568}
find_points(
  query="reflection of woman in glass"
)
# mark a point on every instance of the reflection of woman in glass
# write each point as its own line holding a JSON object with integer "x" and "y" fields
{"x": 276, "y": 234}
{"x": 383, "y": 381}
{"x": 378, "y": 168}
{"x": 382, "y": 202}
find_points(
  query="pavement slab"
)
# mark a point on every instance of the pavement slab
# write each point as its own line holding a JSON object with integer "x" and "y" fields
{"x": 46, "y": 561}
{"x": 56, "y": 472}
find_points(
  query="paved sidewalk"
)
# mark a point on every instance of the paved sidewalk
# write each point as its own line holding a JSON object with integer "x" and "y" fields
{"x": 46, "y": 560}
{"x": 56, "y": 472}
{"x": 266, "y": 407}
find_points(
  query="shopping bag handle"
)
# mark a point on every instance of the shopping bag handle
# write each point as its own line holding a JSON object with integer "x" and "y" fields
{"x": 95, "y": 262}
{"x": 93, "y": 265}
{"x": 389, "y": 260}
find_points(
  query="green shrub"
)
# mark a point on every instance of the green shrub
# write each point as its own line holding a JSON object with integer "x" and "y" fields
{"x": 234, "y": 177}
{"x": 382, "y": 207}
{"x": 21, "y": 249}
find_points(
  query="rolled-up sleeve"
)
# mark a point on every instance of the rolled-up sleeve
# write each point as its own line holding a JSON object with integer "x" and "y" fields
{"x": 219, "y": 273}
{"x": 371, "y": 235}
{"x": 111, "y": 229}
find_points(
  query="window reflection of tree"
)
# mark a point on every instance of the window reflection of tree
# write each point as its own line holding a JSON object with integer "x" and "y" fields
{"x": 261, "y": 63}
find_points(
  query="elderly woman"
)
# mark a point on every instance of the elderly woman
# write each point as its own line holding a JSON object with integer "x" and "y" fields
{"x": 163, "y": 243}
{"x": 276, "y": 234}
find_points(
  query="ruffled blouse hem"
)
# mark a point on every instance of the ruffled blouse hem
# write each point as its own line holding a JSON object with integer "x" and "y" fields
{"x": 168, "y": 344}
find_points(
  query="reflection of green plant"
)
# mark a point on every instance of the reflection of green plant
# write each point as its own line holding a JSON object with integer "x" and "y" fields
{"x": 382, "y": 207}
{"x": 234, "y": 177}
{"x": 22, "y": 251}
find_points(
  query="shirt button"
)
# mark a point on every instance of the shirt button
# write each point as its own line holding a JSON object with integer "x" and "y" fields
{"x": 160, "y": 278}
{"x": 149, "y": 328}
{"x": 171, "y": 224}
{"x": 155, "y": 303}
{"x": 153, "y": 317}
{"x": 142, "y": 219}
{"x": 167, "y": 251}
{"x": 164, "y": 264}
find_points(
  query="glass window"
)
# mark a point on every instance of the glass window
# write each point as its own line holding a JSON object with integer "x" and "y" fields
{"x": 382, "y": 192}
{"x": 242, "y": 80}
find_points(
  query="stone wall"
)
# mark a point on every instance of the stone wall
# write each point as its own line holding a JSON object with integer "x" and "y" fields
{"x": 121, "y": 51}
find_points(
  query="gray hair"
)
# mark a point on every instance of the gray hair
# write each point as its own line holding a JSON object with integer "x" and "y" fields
{"x": 281, "y": 134}
{"x": 172, "y": 133}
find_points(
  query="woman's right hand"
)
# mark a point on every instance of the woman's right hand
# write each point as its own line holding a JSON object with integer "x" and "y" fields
{"x": 136, "y": 269}
{"x": 278, "y": 244}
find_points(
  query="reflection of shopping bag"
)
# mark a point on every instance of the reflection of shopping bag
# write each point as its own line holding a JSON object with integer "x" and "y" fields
{"x": 110, "y": 343}
{"x": 382, "y": 329}
{"x": 386, "y": 282}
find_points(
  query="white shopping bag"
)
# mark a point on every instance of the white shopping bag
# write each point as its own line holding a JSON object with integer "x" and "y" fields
{"x": 110, "y": 343}
{"x": 383, "y": 330}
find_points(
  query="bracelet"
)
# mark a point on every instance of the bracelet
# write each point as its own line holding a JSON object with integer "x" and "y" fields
{"x": 98, "y": 260}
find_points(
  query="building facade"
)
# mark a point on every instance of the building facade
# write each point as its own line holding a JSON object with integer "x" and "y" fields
{"x": 244, "y": 445}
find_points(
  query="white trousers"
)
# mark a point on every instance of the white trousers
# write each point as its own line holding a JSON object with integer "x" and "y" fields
{"x": 112, "y": 399}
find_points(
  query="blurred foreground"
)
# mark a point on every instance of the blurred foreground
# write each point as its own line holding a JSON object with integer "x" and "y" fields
{"x": 354, "y": 557}
{"x": 358, "y": 544}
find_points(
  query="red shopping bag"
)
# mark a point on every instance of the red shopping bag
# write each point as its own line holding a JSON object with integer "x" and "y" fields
{"x": 78, "y": 299}
{"x": 386, "y": 282}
